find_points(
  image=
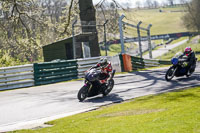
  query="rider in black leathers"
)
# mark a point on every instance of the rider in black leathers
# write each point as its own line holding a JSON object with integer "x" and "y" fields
{"x": 191, "y": 59}
{"x": 106, "y": 68}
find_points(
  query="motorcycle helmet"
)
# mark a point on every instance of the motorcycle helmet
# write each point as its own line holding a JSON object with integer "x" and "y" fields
{"x": 188, "y": 51}
{"x": 103, "y": 62}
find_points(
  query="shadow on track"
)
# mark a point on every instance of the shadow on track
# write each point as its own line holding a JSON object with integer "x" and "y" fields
{"x": 114, "y": 98}
{"x": 154, "y": 80}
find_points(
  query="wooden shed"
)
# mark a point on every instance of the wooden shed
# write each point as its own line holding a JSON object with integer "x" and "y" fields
{"x": 64, "y": 49}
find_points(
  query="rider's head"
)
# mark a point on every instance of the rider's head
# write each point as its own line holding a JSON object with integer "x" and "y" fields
{"x": 103, "y": 62}
{"x": 188, "y": 51}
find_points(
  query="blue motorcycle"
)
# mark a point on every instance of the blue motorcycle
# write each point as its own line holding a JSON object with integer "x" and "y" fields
{"x": 179, "y": 68}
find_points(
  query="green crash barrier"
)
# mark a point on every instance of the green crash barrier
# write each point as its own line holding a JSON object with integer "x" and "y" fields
{"x": 138, "y": 63}
{"x": 165, "y": 62}
{"x": 121, "y": 62}
{"x": 52, "y": 72}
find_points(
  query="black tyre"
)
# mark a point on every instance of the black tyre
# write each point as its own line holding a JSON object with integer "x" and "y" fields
{"x": 83, "y": 93}
{"x": 190, "y": 71}
{"x": 170, "y": 73}
{"x": 189, "y": 74}
{"x": 109, "y": 87}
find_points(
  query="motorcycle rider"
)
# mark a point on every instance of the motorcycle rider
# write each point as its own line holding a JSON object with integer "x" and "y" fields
{"x": 106, "y": 69}
{"x": 191, "y": 59}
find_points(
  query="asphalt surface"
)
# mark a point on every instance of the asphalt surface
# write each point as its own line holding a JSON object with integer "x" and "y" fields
{"x": 166, "y": 49}
{"x": 30, "y": 107}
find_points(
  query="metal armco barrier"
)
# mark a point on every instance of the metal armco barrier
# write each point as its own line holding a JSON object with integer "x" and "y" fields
{"x": 116, "y": 63}
{"x": 52, "y": 72}
{"x": 49, "y": 72}
{"x": 16, "y": 77}
{"x": 85, "y": 64}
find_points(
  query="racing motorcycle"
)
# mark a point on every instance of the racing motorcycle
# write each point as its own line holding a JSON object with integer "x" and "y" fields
{"x": 94, "y": 85}
{"x": 179, "y": 67}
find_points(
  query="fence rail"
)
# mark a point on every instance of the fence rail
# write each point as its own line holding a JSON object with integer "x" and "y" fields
{"x": 49, "y": 72}
{"x": 16, "y": 77}
{"x": 115, "y": 61}
{"x": 143, "y": 63}
{"x": 52, "y": 72}
{"x": 85, "y": 64}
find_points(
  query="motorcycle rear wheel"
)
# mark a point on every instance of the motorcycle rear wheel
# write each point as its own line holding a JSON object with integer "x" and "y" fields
{"x": 83, "y": 93}
{"x": 109, "y": 87}
{"x": 170, "y": 73}
{"x": 188, "y": 74}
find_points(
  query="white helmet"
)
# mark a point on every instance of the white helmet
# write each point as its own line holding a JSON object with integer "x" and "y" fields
{"x": 103, "y": 62}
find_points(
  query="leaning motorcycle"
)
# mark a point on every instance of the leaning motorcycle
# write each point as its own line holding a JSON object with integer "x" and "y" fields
{"x": 179, "y": 67}
{"x": 93, "y": 85}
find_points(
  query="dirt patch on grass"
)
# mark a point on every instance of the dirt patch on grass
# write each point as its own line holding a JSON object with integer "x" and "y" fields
{"x": 132, "y": 112}
{"x": 41, "y": 126}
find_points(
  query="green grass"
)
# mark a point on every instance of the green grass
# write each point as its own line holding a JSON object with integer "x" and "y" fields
{"x": 178, "y": 40}
{"x": 110, "y": 53}
{"x": 115, "y": 49}
{"x": 170, "y": 54}
{"x": 157, "y": 42}
{"x": 163, "y": 22}
{"x": 173, "y": 42}
{"x": 173, "y": 112}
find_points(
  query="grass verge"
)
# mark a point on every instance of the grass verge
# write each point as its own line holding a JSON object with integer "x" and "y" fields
{"x": 177, "y": 111}
{"x": 164, "y": 22}
{"x": 195, "y": 47}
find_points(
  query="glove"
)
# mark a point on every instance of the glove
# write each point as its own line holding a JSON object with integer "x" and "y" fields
{"x": 185, "y": 64}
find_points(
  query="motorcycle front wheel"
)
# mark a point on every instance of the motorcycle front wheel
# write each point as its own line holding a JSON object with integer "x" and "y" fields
{"x": 83, "y": 93}
{"x": 170, "y": 73}
{"x": 109, "y": 87}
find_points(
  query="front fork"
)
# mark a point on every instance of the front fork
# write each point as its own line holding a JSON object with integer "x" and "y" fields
{"x": 87, "y": 83}
{"x": 175, "y": 68}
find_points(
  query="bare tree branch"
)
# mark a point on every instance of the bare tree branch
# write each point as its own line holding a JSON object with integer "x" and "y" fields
{"x": 69, "y": 17}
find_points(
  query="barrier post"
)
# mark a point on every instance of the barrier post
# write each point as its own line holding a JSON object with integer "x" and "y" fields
{"x": 127, "y": 62}
{"x": 121, "y": 62}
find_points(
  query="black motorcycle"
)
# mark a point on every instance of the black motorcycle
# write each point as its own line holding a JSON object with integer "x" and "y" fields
{"x": 179, "y": 68}
{"x": 93, "y": 85}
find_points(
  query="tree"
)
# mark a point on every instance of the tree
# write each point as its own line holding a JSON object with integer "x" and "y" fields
{"x": 138, "y": 4}
{"x": 155, "y": 4}
{"x": 18, "y": 25}
{"x": 149, "y": 3}
{"x": 164, "y": 4}
{"x": 108, "y": 11}
{"x": 171, "y": 2}
{"x": 27, "y": 25}
{"x": 87, "y": 13}
{"x": 192, "y": 17}
{"x": 183, "y": 1}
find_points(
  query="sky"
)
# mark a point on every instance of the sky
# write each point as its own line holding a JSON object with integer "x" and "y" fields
{"x": 131, "y": 3}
